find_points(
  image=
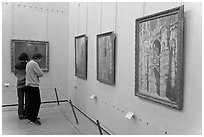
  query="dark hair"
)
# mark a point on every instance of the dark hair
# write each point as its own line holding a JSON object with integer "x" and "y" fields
{"x": 23, "y": 57}
{"x": 37, "y": 56}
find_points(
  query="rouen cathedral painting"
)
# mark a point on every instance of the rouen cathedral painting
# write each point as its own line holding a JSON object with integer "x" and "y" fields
{"x": 159, "y": 55}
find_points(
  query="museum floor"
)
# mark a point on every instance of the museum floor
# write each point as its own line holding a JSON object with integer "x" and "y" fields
{"x": 55, "y": 119}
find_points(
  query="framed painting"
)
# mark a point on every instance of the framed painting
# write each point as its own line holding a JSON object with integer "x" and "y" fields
{"x": 159, "y": 57}
{"x": 81, "y": 56}
{"x": 106, "y": 57}
{"x": 30, "y": 47}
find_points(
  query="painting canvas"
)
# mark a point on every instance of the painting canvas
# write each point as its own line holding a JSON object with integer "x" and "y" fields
{"x": 159, "y": 57}
{"x": 106, "y": 58}
{"x": 30, "y": 47}
{"x": 81, "y": 56}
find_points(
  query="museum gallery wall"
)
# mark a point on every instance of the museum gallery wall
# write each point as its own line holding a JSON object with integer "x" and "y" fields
{"x": 158, "y": 57}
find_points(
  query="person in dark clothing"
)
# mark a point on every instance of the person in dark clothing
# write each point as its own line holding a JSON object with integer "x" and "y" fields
{"x": 20, "y": 73}
{"x": 33, "y": 74}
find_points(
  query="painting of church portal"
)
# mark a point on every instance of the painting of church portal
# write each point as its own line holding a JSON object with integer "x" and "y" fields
{"x": 81, "y": 56}
{"x": 106, "y": 58}
{"x": 159, "y": 57}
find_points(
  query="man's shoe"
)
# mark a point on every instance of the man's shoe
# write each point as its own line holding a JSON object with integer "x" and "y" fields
{"x": 37, "y": 122}
{"x": 30, "y": 122}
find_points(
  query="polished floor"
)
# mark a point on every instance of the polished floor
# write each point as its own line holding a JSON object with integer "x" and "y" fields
{"x": 53, "y": 123}
{"x": 55, "y": 119}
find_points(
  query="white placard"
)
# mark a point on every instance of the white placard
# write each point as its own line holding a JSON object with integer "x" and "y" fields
{"x": 129, "y": 115}
{"x": 6, "y": 84}
{"x": 92, "y": 96}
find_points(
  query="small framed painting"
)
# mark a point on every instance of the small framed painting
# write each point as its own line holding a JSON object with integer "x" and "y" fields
{"x": 106, "y": 57}
{"x": 81, "y": 56}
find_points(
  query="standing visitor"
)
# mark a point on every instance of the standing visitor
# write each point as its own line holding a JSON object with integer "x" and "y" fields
{"x": 33, "y": 73}
{"x": 20, "y": 73}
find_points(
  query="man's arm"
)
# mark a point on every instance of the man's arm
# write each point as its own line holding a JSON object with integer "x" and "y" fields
{"x": 38, "y": 70}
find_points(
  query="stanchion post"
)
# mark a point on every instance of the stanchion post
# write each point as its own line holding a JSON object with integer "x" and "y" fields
{"x": 74, "y": 112}
{"x": 99, "y": 127}
{"x": 56, "y": 96}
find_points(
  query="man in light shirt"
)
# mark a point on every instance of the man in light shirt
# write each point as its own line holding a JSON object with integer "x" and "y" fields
{"x": 33, "y": 73}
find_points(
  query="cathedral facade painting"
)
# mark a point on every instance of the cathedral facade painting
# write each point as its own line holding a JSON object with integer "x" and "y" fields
{"x": 81, "y": 56}
{"x": 106, "y": 57}
{"x": 159, "y": 57}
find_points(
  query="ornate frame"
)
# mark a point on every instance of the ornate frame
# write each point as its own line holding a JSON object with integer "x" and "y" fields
{"x": 81, "y": 56}
{"x": 30, "y": 47}
{"x": 159, "y": 57}
{"x": 106, "y": 57}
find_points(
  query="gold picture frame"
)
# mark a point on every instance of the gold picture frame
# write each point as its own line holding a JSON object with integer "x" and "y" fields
{"x": 106, "y": 57}
{"x": 81, "y": 56}
{"x": 159, "y": 55}
{"x": 30, "y": 47}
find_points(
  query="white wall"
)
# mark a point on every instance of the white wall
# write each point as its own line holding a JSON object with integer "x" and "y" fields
{"x": 115, "y": 101}
{"x": 41, "y": 22}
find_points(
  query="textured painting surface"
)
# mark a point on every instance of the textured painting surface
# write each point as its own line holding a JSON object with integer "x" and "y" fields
{"x": 81, "y": 57}
{"x": 105, "y": 58}
{"x": 158, "y": 57}
{"x": 105, "y": 55}
{"x": 31, "y": 47}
